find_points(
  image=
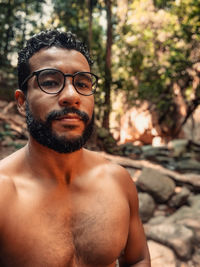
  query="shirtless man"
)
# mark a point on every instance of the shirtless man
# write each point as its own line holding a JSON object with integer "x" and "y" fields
{"x": 60, "y": 204}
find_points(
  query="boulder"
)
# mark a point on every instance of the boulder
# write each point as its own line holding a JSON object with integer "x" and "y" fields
{"x": 189, "y": 216}
{"x": 194, "y": 201}
{"x": 196, "y": 257}
{"x": 180, "y": 198}
{"x": 178, "y": 146}
{"x": 157, "y": 220}
{"x": 146, "y": 206}
{"x": 176, "y": 236}
{"x": 157, "y": 184}
{"x": 161, "y": 255}
{"x": 187, "y": 165}
{"x": 130, "y": 150}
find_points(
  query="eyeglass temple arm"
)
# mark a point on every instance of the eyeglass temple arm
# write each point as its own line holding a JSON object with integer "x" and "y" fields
{"x": 27, "y": 78}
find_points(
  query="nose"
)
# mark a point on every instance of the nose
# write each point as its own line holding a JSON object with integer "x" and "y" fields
{"x": 69, "y": 96}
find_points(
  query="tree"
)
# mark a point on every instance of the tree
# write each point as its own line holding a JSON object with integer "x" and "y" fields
{"x": 108, "y": 73}
{"x": 15, "y": 17}
{"x": 156, "y": 54}
{"x": 17, "y": 20}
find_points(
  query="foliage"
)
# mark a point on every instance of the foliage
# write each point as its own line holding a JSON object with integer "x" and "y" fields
{"x": 16, "y": 17}
{"x": 155, "y": 47}
{"x": 156, "y": 50}
{"x": 17, "y": 20}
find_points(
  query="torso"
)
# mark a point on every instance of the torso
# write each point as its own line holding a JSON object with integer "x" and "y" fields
{"x": 85, "y": 225}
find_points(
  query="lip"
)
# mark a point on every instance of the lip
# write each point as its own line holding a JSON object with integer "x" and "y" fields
{"x": 69, "y": 118}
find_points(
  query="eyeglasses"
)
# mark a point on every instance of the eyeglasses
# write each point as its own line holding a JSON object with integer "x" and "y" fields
{"x": 52, "y": 81}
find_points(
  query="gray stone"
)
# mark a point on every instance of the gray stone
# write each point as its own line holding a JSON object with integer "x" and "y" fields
{"x": 161, "y": 210}
{"x": 161, "y": 256}
{"x": 151, "y": 152}
{"x": 156, "y": 183}
{"x": 178, "y": 146}
{"x": 176, "y": 236}
{"x": 189, "y": 217}
{"x": 194, "y": 201}
{"x": 146, "y": 206}
{"x": 3, "y": 104}
{"x": 162, "y": 207}
{"x": 187, "y": 165}
{"x": 180, "y": 198}
{"x": 131, "y": 171}
{"x": 157, "y": 220}
{"x": 185, "y": 212}
{"x": 159, "y": 213}
{"x": 196, "y": 257}
{"x": 128, "y": 149}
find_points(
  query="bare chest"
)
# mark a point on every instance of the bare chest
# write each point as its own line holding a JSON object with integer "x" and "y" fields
{"x": 82, "y": 233}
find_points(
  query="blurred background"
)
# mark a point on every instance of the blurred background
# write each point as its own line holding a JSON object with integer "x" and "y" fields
{"x": 147, "y": 55}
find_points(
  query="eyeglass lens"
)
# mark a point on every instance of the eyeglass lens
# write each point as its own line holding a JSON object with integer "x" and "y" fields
{"x": 52, "y": 81}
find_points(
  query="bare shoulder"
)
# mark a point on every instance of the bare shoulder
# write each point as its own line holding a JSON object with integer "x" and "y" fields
{"x": 116, "y": 173}
{"x": 8, "y": 168}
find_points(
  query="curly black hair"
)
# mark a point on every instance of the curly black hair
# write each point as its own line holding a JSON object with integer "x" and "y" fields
{"x": 43, "y": 39}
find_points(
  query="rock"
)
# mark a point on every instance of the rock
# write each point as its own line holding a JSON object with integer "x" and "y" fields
{"x": 187, "y": 212}
{"x": 161, "y": 255}
{"x": 196, "y": 257}
{"x": 180, "y": 198}
{"x": 162, "y": 210}
{"x": 157, "y": 184}
{"x": 194, "y": 201}
{"x": 178, "y": 146}
{"x": 187, "y": 165}
{"x": 157, "y": 220}
{"x": 151, "y": 152}
{"x": 146, "y": 206}
{"x": 133, "y": 173}
{"x": 7, "y": 141}
{"x": 130, "y": 150}
{"x": 3, "y": 104}
{"x": 159, "y": 213}
{"x": 176, "y": 236}
{"x": 189, "y": 216}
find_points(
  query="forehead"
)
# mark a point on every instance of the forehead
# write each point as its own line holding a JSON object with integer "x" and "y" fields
{"x": 66, "y": 60}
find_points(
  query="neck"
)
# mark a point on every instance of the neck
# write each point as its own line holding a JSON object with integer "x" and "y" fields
{"x": 49, "y": 164}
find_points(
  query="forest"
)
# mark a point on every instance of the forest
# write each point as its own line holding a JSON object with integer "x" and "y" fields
{"x": 142, "y": 51}
{"x": 146, "y": 54}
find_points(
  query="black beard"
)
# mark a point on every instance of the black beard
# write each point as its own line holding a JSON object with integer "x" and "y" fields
{"x": 42, "y": 131}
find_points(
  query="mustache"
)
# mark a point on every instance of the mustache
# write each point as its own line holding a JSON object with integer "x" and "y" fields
{"x": 55, "y": 114}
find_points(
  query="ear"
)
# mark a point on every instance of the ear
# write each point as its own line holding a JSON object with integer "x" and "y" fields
{"x": 21, "y": 101}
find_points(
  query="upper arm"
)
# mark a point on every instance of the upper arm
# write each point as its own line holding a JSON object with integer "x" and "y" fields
{"x": 136, "y": 249}
{"x": 7, "y": 190}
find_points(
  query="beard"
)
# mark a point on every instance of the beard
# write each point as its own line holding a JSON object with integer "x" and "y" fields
{"x": 42, "y": 131}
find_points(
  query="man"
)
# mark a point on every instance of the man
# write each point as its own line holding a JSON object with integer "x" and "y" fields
{"x": 60, "y": 204}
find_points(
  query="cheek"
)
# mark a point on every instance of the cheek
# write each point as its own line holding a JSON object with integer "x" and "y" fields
{"x": 38, "y": 105}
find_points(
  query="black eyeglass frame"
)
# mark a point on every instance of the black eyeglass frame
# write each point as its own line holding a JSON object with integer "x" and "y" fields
{"x": 37, "y": 73}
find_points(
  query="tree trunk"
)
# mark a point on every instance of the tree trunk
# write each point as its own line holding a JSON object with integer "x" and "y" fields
{"x": 90, "y": 8}
{"x": 108, "y": 75}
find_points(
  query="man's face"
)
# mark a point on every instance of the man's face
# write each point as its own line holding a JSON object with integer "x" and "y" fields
{"x": 62, "y": 122}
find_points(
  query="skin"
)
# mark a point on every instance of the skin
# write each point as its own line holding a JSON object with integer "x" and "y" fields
{"x": 76, "y": 209}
